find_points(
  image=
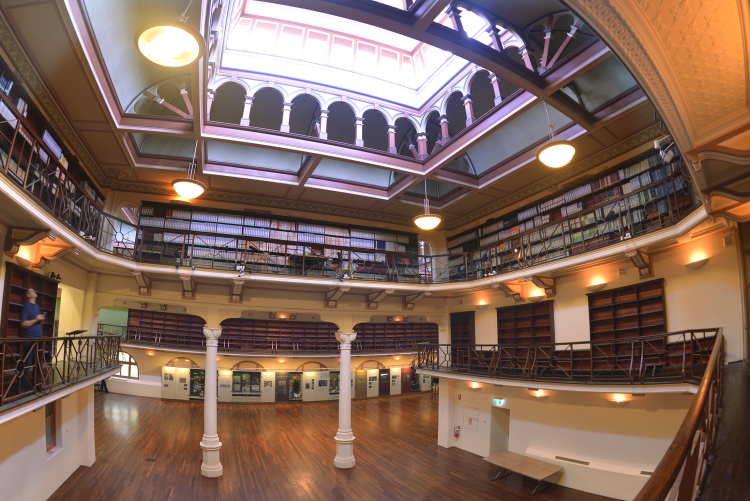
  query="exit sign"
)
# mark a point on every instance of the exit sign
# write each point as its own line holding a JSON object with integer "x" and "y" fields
{"x": 498, "y": 401}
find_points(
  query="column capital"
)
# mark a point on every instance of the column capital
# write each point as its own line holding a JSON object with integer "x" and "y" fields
{"x": 346, "y": 338}
{"x": 421, "y": 136}
{"x": 443, "y": 118}
{"x": 249, "y": 99}
{"x": 212, "y": 335}
{"x": 211, "y": 93}
{"x": 466, "y": 98}
{"x": 359, "y": 120}
{"x": 324, "y": 113}
{"x": 288, "y": 105}
{"x": 392, "y": 128}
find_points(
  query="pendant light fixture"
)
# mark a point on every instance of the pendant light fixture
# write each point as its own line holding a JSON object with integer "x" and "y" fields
{"x": 171, "y": 42}
{"x": 555, "y": 153}
{"x": 427, "y": 221}
{"x": 188, "y": 187}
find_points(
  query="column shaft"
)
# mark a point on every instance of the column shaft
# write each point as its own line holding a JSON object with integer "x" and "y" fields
{"x": 285, "y": 117}
{"x": 323, "y": 124}
{"x": 245, "y": 121}
{"x": 344, "y": 437}
{"x": 392, "y": 139}
{"x": 210, "y": 444}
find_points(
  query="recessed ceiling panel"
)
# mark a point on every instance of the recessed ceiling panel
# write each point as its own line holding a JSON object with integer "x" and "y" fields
{"x": 602, "y": 83}
{"x": 345, "y": 171}
{"x": 252, "y": 156}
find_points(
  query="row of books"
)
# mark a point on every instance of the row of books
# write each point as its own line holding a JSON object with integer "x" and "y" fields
{"x": 605, "y": 181}
{"x": 636, "y": 183}
{"x": 605, "y": 195}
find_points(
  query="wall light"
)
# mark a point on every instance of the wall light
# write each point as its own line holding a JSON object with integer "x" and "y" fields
{"x": 281, "y": 360}
{"x": 620, "y": 398}
{"x": 150, "y": 353}
{"x": 596, "y": 287}
{"x": 474, "y": 385}
{"x": 697, "y": 260}
{"x": 537, "y": 393}
{"x": 396, "y": 358}
{"x": 482, "y": 306}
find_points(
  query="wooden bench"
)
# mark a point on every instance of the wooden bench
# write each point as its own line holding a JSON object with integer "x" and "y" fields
{"x": 510, "y": 462}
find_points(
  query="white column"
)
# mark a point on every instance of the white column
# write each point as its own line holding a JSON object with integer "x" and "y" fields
{"x": 210, "y": 444}
{"x": 359, "y": 122}
{"x": 285, "y": 117}
{"x": 323, "y": 124}
{"x": 245, "y": 120}
{"x": 344, "y": 437}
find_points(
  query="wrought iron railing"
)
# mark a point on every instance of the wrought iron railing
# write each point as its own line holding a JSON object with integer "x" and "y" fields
{"x": 665, "y": 358}
{"x": 680, "y": 472}
{"x": 28, "y": 162}
{"x": 249, "y": 344}
{"x": 39, "y": 366}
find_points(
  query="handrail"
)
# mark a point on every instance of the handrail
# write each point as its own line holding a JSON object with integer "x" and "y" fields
{"x": 680, "y": 472}
{"x": 33, "y": 366}
{"x": 671, "y": 357}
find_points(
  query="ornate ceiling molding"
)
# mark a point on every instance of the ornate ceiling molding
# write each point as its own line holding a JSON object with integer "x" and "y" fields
{"x": 645, "y": 136}
{"x": 28, "y": 75}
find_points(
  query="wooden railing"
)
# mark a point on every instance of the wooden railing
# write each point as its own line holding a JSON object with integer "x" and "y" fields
{"x": 680, "y": 472}
{"x": 39, "y": 366}
{"x": 250, "y": 344}
{"x": 672, "y": 357}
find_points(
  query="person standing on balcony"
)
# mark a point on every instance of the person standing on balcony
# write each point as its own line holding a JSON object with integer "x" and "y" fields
{"x": 31, "y": 325}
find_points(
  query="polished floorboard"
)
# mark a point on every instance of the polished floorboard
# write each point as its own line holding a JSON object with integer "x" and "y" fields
{"x": 147, "y": 449}
{"x": 728, "y": 473}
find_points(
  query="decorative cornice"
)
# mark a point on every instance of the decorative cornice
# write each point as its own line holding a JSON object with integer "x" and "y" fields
{"x": 560, "y": 176}
{"x": 26, "y": 73}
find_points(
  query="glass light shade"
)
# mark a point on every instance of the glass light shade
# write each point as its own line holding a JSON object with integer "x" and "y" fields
{"x": 188, "y": 188}
{"x": 428, "y": 221}
{"x": 170, "y": 43}
{"x": 556, "y": 154}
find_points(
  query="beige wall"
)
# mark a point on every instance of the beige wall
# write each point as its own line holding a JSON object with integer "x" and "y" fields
{"x": 27, "y": 471}
{"x": 703, "y": 298}
{"x": 623, "y": 438}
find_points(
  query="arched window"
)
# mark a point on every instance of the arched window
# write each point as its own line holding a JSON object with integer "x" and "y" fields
{"x": 181, "y": 361}
{"x": 371, "y": 364}
{"x": 129, "y": 367}
{"x": 310, "y": 366}
{"x": 247, "y": 364}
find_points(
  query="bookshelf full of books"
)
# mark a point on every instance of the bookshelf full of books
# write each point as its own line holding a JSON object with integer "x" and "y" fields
{"x": 172, "y": 234}
{"x": 621, "y": 203}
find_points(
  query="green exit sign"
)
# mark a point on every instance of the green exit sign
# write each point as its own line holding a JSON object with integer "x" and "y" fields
{"x": 498, "y": 401}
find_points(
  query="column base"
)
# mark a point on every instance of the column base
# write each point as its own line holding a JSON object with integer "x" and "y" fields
{"x": 284, "y": 128}
{"x": 422, "y": 156}
{"x": 359, "y": 142}
{"x": 344, "y": 450}
{"x": 244, "y": 122}
{"x": 211, "y": 466}
{"x": 392, "y": 149}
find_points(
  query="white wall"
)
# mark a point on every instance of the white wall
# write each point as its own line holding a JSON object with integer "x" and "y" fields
{"x": 27, "y": 471}
{"x": 578, "y": 425}
{"x": 703, "y": 298}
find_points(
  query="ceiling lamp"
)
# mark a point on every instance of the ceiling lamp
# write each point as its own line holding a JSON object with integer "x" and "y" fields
{"x": 170, "y": 42}
{"x": 427, "y": 221}
{"x": 555, "y": 153}
{"x": 188, "y": 187}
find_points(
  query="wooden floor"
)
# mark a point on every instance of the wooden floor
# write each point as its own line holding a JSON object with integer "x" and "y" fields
{"x": 147, "y": 449}
{"x": 728, "y": 473}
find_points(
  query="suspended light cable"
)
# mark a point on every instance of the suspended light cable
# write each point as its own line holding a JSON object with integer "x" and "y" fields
{"x": 427, "y": 221}
{"x": 554, "y": 153}
{"x": 188, "y": 187}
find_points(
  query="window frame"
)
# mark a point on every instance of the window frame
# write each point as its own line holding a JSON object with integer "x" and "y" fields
{"x": 130, "y": 363}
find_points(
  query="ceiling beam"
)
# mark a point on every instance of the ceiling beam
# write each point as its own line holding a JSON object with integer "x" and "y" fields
{"x": 307, "y": 169}
{"x": 425, "y": 11}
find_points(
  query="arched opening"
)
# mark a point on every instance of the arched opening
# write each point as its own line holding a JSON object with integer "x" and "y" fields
{"x": 432, "y": 127}
{"x": 311, "y": 366}
{"x": 482, "y": 95}
{"x": 129, "y": 367}
{"x": 375, "y": 130}
{"x": 341, "y": 126}
{"x": 228, "y": 104}
{"x": 247, "y": 364}
{"x": 456, "y": 113}
{"x": 305, "y": 111}
{"x": 405, "y": 133}
{"x": 267, "y": 109}
{"x": 371, "y": 364}
{"x": 181, "y": 362}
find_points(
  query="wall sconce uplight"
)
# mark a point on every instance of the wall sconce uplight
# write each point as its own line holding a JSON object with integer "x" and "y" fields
{"x": 699, "y": 263}
{"x": 474, "y": 385}
{"x": 537, "y": 393}
{"x": 620, "y": 398}
{"x": 535, "y": 299}
{"x": 596, "y": 287}
{"x": 281, "y": 360}
{"x": 482, "y": 306}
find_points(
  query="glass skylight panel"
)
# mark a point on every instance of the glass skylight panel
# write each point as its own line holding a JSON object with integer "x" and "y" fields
{"x": 342, "y": 52}
{"x": 316, "y": 47}
{"x": 433, "y": 57}
{"x": 290, "y": 42}
{"x": 407, "y": 71}
{"x": 263, "y": 38}
{"x": 389, "y": 67}
{"x": 367, "y": 59}
{"x": 238, "y": 36}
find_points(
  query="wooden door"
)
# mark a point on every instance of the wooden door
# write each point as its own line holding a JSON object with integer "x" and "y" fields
{"x": 406, "y": 380}
{"x": 360, "y": 384}
{"x": 385, "y": 382}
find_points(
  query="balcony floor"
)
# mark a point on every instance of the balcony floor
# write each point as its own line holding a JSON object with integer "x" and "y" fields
{"x": 147, "y": 449}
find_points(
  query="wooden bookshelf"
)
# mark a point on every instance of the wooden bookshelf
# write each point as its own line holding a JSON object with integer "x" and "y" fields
{"x": 626, "y": 312}
{"x": 462, "y": 329}
{"x": 246, "y": 334}
{"x": 17, "y": 281}
{"x": 159, "y": 327}
{"x": 394, "y": 335}
{"x": 522, "y": 324}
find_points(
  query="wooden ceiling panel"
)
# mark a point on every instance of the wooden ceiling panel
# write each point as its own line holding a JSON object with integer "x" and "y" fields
{"x": 338, "y": 199}
{"x": 43, "y": 32}
{"x": 104, "y": 146}
{"x": 470, "y": 203}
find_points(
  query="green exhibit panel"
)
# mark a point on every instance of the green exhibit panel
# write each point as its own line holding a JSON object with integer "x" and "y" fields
{"x": 309, "y": 391}
{"x": 282, "y": 386}
{"x": 361, "y": 384}
{"x": 334, "y": 385}
{"x": 373, "y": 388}
{"x": 295, "y": 386}
{"x": 197, "y": 384}
{"x": 245, "y": 386}
{"x": 323, "y": 385}
{"x": 395, "y": 382}
{"x": 385, "y": 382}
{"x": 267, "y": 393}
